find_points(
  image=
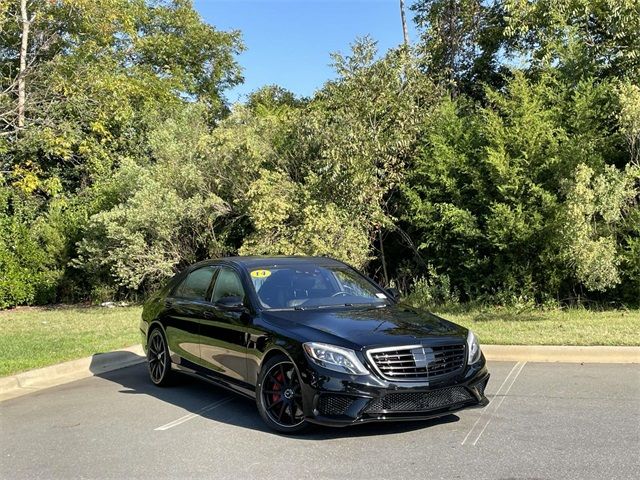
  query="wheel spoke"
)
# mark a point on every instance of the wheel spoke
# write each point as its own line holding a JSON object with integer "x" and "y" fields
{"x": 274, "y": 404}
{"x": 275, "y": 380}
{"x": 281, "y": 411}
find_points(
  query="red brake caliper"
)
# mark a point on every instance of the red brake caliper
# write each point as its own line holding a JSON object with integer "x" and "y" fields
{"x": 277, "y": 386}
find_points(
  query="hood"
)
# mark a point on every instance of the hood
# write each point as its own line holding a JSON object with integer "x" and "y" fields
{"x": 359, "y": 327}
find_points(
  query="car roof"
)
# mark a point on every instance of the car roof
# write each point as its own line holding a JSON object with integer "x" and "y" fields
{"x": 251, "y": 262}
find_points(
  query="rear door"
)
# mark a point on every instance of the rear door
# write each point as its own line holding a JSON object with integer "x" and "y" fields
{"x": 185, "y": 307}
{"x": 223, "y": 333}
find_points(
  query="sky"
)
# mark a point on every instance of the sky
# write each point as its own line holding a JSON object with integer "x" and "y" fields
{"x": 288, "y": 42}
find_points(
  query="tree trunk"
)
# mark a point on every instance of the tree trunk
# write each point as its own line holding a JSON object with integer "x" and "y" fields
{"x": 384, "y": 261}
{"x": 405, "y": 32}
{"x": 23, "y": 61}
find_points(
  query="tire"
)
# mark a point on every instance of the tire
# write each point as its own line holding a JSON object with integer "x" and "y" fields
{"x": 158, "y": 359}
{"x": 282, "y": 412}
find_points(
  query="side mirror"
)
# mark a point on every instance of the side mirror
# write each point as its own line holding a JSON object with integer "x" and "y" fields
{"x": 394, "y": 292}
{"x": 231, "y": 304}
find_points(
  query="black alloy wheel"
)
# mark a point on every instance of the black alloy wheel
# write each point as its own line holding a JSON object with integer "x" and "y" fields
{"x": 158, "y": 358}
{"x": 279, "y": 397}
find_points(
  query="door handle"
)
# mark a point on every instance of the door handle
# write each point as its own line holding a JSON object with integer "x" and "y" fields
{"x": 208, "y": 315}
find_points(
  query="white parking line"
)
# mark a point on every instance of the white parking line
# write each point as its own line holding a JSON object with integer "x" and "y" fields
{"x": 485, "y": 418}
{"x": 189, "y": 416}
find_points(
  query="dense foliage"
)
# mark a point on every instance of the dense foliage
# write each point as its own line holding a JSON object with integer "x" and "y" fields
{"x": 497, "y": 160}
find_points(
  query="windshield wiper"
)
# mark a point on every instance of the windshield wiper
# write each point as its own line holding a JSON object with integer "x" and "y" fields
{"x": 338, "y": 305}
{"x": 365, "y": 305}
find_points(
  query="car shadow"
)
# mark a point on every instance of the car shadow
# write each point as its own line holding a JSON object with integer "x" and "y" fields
{"x": 209, "y": 401}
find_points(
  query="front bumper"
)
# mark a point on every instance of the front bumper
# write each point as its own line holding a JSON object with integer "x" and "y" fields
{"x": 335, "y": 399}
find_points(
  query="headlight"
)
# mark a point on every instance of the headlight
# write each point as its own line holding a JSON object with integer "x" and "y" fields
{"x": 473, "y": 347}
{"x": 335, "y": 358}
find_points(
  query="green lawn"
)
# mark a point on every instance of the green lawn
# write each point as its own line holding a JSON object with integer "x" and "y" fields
{"x": 36, "y": 337}
{"x": 554, "y": 327}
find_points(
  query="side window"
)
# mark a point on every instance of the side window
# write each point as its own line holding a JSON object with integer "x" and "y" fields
{"x": 228, "y": 284}
{"x": 196, "y": 284}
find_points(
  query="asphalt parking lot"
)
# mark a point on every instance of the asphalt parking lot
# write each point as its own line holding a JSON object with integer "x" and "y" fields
{"x": 544, "y": 421}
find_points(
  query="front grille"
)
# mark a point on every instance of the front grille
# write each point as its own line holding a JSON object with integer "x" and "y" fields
{"x": 417, "y": 362}
{"x": 334, "y": 404}
{"x": 417, "y": 402}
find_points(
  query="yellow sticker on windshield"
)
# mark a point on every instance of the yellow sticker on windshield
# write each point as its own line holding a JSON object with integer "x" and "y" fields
{"x": 260, "y": 273}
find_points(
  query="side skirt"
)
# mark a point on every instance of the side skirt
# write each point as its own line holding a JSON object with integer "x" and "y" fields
{"x": 200, "y": 372}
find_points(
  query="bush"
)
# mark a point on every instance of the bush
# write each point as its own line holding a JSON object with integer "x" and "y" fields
{"x": 433, "y": 292}
{"x": 29, "y": 275}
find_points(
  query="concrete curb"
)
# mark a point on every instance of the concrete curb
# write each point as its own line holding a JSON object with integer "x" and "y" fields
{"x": 568, "y": 354}
{"x": 34, "y": 380}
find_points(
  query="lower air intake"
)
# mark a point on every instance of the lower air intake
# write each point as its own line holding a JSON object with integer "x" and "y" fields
{"x": 418, "y": 402}
{"x": 334, "y": 404}
{"x": 481, "y": 386}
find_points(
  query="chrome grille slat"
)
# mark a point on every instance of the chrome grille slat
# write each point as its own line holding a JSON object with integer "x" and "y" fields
{"x": 408, "y": 359}
{"x": 405, "y": 374}
{"x": 399, "y": 363}
{"x": 402, "y": 368}
{"x": 389, "y": 357}
{"x": 395, "y": 362}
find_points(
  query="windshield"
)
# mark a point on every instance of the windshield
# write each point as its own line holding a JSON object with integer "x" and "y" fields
{"x": 311, "y": 286}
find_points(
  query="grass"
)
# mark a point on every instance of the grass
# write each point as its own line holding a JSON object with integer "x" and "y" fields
{"x": 552, "y": 327}
{"x": 36, "y": 337}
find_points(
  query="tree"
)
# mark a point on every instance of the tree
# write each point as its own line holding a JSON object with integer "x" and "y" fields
{"x": 496, "y": 161}
{"x": 524, "y": 198}
{"x": 271, "y": 98}
{"x": 84, "y": 85}
{"x": 93, "y": 69}
{"x": 459, "y": 42}
{"x": 164, "y": 216}
{"x": 596, "y": 207}
{"x": 578, "y": 38}
{"x": 405, "y": 32}
{"x": 26, "y": 22}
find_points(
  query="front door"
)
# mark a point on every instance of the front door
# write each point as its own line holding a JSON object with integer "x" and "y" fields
{"x": 223, "y": 332}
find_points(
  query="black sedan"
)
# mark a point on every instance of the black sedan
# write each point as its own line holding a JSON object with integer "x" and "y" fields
{"x": 311, "y": 340}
